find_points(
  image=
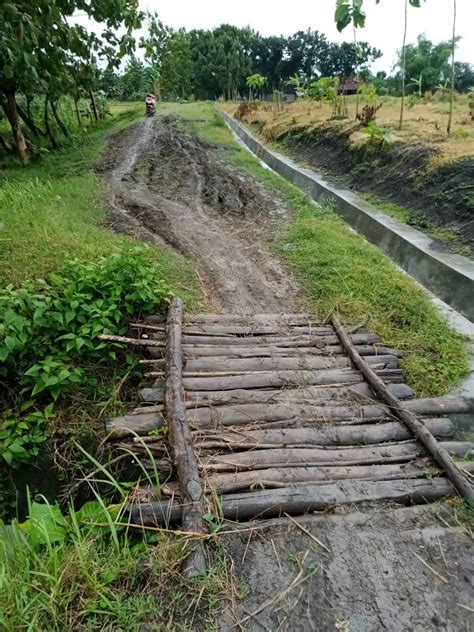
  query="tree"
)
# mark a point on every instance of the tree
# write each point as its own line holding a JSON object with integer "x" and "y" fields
{"x": 428, "y": 60}
{"x": 39, "y": 45}
{"x": 348, "y": 11}
{"x": 176, "y": 66}
{"x": 256, "y": 82}
{"x": 453, "y": 70}
{"x": 413, "y": 3}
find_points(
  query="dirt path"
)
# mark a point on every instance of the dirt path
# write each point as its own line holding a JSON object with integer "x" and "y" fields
{"x": 400, "y": 570}
{"x": 167, "y": 185}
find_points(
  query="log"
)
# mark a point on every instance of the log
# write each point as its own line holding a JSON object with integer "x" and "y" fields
{"x": 283, "y": 341}
{"x": 441, "y": 405}
{"x": 300, "y": 499}
{"x": 420, "y": 432}
{"x": 118, "y": 427}
{"x": 155, "y": 394}
{"x": 305, "y": 394}
{"x": 256, "y": 329}
{"x": 139, "y": 342}
{"x": 269, "y": 351}
{"x": 276, "y": 379}
{"x": 302, "y": 363}
{"x": 273, "y": 477}
{"x": 181, "y": 440}
{"x": 354, "y": 455}
{"x": 213, "y": 417}
{"x": 361, "y": 434}
{"x": 294, "y": 319}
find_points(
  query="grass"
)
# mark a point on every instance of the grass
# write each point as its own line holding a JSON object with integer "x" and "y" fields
{"x": 425, "y": 122}
{"x": 54, "y": 210}
{"x": 340, "y": 270}
{"x": 84, "y": 570}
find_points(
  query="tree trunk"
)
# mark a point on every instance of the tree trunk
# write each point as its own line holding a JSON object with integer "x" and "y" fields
{"x": 10, "y": 108}
{"x": 326, "y": 456}
{"x": 451, "y": 100}
{"x": 62, "y": 127}
{"x": 78, "y": 114}
{"x": 356, "y": 70}
{"x": 28, "y": 120}
{"x": 93, "y": 105}
{"x": 47, "y": 124}
{"x": 402, "y": 105}
{"x": 6, "y": 146}
{"x": 302, "y": 498}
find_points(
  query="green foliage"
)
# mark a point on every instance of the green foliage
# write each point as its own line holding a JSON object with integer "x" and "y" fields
{"x": 50, "y": 330}
{"x": 377, "y": 135}
{"x": 20, "y": 438}
{"x": 83, "y": 571}
{"x": 255, "y": 81}
{"x": 348, "y": 11}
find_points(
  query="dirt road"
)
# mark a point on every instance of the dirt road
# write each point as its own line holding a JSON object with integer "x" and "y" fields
{"x": 169, "y": 186}
{"x": 403, "y": 570}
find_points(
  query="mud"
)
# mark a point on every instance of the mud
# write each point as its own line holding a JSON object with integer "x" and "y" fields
{"x": 370, "y": 579}
{"x": 439, "y": 197}
{"x": 167, "y": 186}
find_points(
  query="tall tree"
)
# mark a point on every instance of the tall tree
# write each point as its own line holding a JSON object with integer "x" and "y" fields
{"x": 453, "y": 70}
{"x": 39, "y": 44}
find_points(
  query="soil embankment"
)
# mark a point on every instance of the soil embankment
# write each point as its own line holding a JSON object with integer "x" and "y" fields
{"x": 436, "y": 196}
{"x": 379, "y": 569}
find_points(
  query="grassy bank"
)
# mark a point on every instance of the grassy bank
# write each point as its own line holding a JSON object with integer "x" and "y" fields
{"x": 341, "y": 270}
{"x": 64, "y": 278}
{"x": 54, "y": 210}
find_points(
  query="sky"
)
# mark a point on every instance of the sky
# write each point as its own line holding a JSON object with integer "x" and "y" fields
{"x": 384, "y": 25}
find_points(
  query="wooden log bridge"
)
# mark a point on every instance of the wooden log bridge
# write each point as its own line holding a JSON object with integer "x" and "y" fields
{"x": 275, "y": 413}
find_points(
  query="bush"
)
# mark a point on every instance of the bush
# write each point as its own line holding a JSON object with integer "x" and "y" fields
{"x": 50, "y": 330}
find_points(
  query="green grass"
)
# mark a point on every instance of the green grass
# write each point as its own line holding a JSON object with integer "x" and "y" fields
{"x": 83, "y": 570}
{"x": 54, "y": 210}
{"x": 341, "y": 270}
{"x": 396, "y": 211}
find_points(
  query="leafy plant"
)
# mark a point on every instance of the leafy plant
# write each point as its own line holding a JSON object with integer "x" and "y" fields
{"x": 20, "y": 438}
{"x": 377, "y": 135}
{"x": 50, "y": 330}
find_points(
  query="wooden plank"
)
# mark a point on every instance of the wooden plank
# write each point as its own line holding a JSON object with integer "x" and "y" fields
{"x": 360, "y": 434}
{"x": 315, "y": 394}
{"x": 144, "y": 423}
{"x": 273, "y": 477}
{"x": 278, "y": 363}
{"x": 276, "y": 379}
{"x": 216, "y": 416}
{"x": 270, "y": 351}
{"x": 280, "y": 341}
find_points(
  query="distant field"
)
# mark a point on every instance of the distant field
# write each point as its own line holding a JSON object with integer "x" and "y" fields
{"x": 425, "y": 121}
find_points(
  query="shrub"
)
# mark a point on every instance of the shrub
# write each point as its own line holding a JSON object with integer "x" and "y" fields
{"x": 50, "y": 330}
{"x": 368, "y": 114}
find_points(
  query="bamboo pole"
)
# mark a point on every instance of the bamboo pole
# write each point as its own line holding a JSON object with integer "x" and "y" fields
{"x": 419, "y": 430}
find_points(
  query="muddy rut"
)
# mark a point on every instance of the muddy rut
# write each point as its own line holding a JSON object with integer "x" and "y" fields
{"x": 169, "y": 186}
